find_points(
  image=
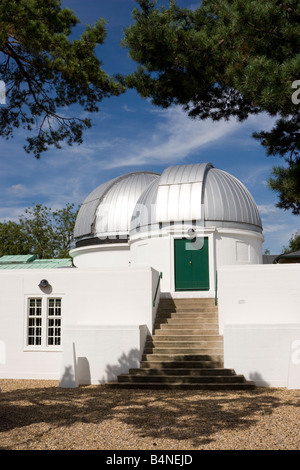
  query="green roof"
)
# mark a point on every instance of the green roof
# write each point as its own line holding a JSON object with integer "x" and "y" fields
{"x": 7, "y": 259}
{"x": 30, "y": 262}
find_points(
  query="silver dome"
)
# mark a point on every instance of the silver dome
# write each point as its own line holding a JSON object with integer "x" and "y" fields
{"x": 196, "y": 193}
{"x": 108, "y": 209}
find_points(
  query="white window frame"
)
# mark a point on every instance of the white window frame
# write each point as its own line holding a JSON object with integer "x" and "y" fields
{"x": 50, "y": 323}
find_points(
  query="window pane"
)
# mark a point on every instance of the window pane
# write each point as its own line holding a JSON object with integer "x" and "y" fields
{"x": 54, "y": 322}
{"x": 34, "y": 329}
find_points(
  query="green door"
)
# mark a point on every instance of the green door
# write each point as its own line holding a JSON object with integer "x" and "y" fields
{"x": 191, "y": 264}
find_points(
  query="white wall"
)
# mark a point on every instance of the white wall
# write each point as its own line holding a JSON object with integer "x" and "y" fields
{"x": 259, "y": 311}
{"x": 154, "y": 252}
{"x": 238, "y": 247}
{"x": 259, "y": 294}
{"x": 158, "y": 251}
{"x": 114, "y": 304}
{"x": 226, "y": 247}
{"x": 101, "y": 256}
{"x": 97, "y": 354}
{"x": 19, "y": 362}
{"x": 263, "y": 353}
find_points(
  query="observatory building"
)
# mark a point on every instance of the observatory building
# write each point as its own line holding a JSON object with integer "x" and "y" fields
{"x": 185, "y": 223}
{"x": 191, "y": 234}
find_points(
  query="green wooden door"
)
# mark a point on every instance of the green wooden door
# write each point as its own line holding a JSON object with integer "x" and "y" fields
{"x": 191, "y": 264}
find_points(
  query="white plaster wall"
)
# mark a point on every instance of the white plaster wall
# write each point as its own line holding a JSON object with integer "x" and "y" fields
{"x": 259, "y": 294}
{"x": 153, "y": 252}
{"x": 16, "y": 361}
{"x": 98, "y": 354}
{"x": 101, "y": 256}
{"x": 116, "y": 303}
{"x": 259, "y": 312}
{"x": 109, "y": 315}
{"x": 158, "y": 252}
{"x": 226, "y": 247}
{"x": 110, "y": 296}
{"x": 237, "y": 247}
{"x": 262, "y": 353}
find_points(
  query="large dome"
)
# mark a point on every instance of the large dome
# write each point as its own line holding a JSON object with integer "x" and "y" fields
{"x": 106, "y": 213}
{"x": 199, "y": 194}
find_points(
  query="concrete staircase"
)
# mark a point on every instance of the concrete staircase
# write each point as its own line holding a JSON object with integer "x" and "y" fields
{"x": 184, "y": 352}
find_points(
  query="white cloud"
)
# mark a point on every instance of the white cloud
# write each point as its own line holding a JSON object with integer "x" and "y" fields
{"x": 274, "y": 228}
{"x": 11, "y": 213}
{"x": 175, "y": 136}
{"x": 266, "y": 209}
{"x": 17, "y": 189}
{"x": 128, "y": 109}
{"x": 173, "y": 139}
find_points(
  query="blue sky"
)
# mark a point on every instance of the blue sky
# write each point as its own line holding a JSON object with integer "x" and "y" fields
{"x": 129, "y": 134}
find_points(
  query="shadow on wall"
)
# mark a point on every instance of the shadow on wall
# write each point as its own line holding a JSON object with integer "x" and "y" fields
{"x": 125, "y": 362}
{"x": 68, "y": 378}
{"x": 258, "y": 379}
{"x": 82, "y": 375}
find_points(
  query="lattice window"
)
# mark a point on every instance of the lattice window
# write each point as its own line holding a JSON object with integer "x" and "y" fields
{"x": 43, "y": 323}
{"x": 34, "y": 334}
{"x": 54, "y": 322}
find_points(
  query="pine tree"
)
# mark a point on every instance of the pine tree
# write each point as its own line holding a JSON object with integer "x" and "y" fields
{"x": 225, "y": 58}
{"x": 45, "y": 72}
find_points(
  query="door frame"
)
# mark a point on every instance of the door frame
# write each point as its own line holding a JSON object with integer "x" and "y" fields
{"x": 198, "y": 274}
{"x": 211, "y": 262}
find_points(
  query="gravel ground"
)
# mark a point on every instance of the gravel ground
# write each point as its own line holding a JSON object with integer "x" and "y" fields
{"x": 38, "y": 415}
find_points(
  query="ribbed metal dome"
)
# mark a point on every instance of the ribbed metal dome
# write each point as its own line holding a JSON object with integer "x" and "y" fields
{"x": 226, "y": 200}
{"x": 199, "y": 193}
{"x": 108, "y": 209}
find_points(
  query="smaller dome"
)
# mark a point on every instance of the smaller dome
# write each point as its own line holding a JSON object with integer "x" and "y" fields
{"x": 108, "y": 209}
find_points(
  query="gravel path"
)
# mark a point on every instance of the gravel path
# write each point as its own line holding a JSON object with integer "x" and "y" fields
{"x": 39, "y": 415}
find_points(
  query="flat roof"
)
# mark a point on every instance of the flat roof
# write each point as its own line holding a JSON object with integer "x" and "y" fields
{"x": 31, "y": 262}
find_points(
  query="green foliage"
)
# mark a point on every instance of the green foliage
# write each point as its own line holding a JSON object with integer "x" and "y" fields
{"x": 13, "y": 239}
{"x": 225, "y": 58}
{"x": 294, "y": 243}
{"x": 40, "y": 231}
{"x": 45, "y": 72}
{"x": 286, "y": 182}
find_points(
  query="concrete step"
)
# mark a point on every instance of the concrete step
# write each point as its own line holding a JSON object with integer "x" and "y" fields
{"x": 181, "y": 379}
{"x": 187, "y": 315}
{"x": 181, "y": 339}
{"x": 183, "y": 386}
{"x": 187, "y": 311}
{"x": 166, "y": 334}
{"x": 187, "y": 326}
{"x": 183, "y": 345}
{"x": 187, "y": 308}
{"x": 202, "y": 329}
{"x": 146, "y": 371}
{"x": 185, "y": 301}
{"x": 176, "y": 352}
{"x": 172, "y": 331}
{"x": 175, "y": 364}
{"x": 185, "y": 351}
{"x": 184, "y": 357}
{"x": 185, "y": 329}
{"x": 199, "y": 317}
{"x": 188, "y": 322}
